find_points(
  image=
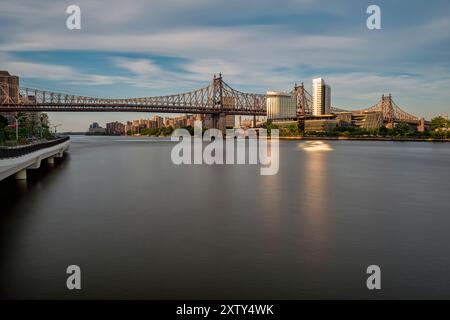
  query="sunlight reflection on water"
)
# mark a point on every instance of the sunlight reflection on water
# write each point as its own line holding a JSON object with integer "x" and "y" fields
{"x": 315, "y": 146}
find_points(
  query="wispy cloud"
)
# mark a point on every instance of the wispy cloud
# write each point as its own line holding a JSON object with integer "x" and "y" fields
{"x": 257, "y": 45}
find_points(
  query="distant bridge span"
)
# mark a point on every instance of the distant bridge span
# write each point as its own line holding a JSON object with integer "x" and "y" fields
{"x": 391, "y": 111}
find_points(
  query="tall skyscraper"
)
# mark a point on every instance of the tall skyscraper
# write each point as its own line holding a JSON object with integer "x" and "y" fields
{"x": 321, "y": 97}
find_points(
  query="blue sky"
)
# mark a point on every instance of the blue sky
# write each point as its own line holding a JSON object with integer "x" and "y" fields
{"x": 145, "y": 48}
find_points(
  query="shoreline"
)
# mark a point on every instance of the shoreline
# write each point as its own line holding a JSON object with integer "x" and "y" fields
{"x": 402, "y": 139}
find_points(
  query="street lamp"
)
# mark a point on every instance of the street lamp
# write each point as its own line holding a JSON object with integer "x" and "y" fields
{"x": 55, "y": 126}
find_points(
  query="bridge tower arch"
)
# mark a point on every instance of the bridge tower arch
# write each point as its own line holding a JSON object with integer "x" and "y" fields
{"x": 219, "y": 116}
{"x": 388, "y": 110}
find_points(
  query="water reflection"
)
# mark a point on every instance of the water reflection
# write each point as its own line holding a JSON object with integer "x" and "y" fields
{"x": 315, "y": 146}
{"x": 271, "y": 203}
{"x": 316, "y": 213}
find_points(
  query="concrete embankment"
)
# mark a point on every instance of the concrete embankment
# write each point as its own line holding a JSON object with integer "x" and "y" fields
{"x": 16, "y": 161}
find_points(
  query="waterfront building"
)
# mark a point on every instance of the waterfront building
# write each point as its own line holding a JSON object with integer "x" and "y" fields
{"x": 9, "y": 91}
{"x": 9, "y": 87}
{"x": 115, "y": 128}
{"x": 159, "y": 121}
{"x": 366, "y": 120}
{"x": 246, "y": 123}
{"x": 208, "y": 121}
{"x": 281, "y": 105}
{"x": 95, "y": 128}
{"x": 320, "y": 125}
{"x": 321, "y": 97}
{"x": 170, "y": 122}
{"x": 238, "y": 121}
{"x": 128, "y": 127}
{"x": 231, "y": 121}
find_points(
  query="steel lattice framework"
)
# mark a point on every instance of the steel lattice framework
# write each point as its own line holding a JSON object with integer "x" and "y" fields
{"x": 216, "y": 98}
{"x": 304, "y": 100}
{"x": 391, "y": 111}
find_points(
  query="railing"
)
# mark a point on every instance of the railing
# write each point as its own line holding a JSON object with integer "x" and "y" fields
{"x": 14, "y": 152}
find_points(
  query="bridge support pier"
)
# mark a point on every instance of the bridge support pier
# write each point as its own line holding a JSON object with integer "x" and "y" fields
{"x": 421, "y": 125}
{"x": 219, "y": 121}
{"x": 21, "y": 175}
{"x": 50, "y": 160}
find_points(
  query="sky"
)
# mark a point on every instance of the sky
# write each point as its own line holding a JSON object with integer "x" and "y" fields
{"x": 139, "y": 48}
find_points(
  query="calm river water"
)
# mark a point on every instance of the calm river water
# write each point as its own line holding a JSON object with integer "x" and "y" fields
{"x": 142, "y": 227}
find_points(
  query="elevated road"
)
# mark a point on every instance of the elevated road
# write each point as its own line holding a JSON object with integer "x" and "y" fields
{"x": 16, "y": 161}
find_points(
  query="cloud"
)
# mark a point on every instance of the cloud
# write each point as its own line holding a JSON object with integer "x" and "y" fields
{"x": 138, "y": 66}
{"x": 55, "y": 72}
{"x": 257, "y": 45}
{"x": 39, "y": 70}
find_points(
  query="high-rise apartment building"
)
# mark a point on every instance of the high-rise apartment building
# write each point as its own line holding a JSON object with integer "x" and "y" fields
{"x": 115, "y": 128}
{"x": 321, "y": 97}
{"x": 9, "y": 93}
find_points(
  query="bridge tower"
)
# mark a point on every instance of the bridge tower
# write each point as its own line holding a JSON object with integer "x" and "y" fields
{"x": 303, "y": 100}
{"x": 219, "y": 117}
{"x": 388, "y": 110}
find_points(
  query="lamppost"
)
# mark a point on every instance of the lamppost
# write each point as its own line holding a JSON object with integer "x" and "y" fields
{"x": 17, "y": 128}
{"x": 17, "y": 117}
{"x": 55, "y": 126}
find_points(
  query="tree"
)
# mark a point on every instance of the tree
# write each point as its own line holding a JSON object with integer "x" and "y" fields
{"x": 269, "y": 126}
{"x": 439, "y": 123}
{"x": 440, "y": 134}
{"x": 4, "y": 132}
{"x": 293, "y": 129}
{"x": 3, "y": 122}
{"x": 191, "y": 129}
{"x": 383, "y": 131}
{"x": 402, "y": 129}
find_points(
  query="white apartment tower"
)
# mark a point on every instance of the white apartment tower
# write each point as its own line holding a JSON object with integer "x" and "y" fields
{"x": 321, "y": 97}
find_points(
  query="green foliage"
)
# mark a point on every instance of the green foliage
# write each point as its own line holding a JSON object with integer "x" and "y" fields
{"x": 383, "y": 131}
{"x": 6, "y": 134}
{"x": 3, "y": 122}
{"x": 402, "y": 130}
{"x": 293, "y": 130}
{"x": 440, "y": 134}
{"x": 163, "y": 131}
{"x": 439, "y": 123}
{"x": 30, "y": 127}
{"x": 269, "y": 126}
{"x": 352, "y": 131}
{"x": 190, "y": 129}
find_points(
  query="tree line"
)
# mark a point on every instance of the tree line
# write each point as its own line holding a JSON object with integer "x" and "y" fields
{"x": 439, "y": 129}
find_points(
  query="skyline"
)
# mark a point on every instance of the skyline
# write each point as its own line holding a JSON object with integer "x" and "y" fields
{"x": 134, "y": 50}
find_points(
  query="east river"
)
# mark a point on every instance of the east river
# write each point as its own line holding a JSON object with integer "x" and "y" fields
{"x": 141, "y": 227}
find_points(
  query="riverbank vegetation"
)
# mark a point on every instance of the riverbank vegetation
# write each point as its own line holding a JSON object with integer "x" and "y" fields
{"x": 439, "y": 130}
{"x": 156, "y": 132}
{"x": 32, "y": 127}
{"x": 163, "y": 131}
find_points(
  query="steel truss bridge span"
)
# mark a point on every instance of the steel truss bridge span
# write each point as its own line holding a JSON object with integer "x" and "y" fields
{"x": 390, "y": 110}
{"x": 216, "y": 98}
